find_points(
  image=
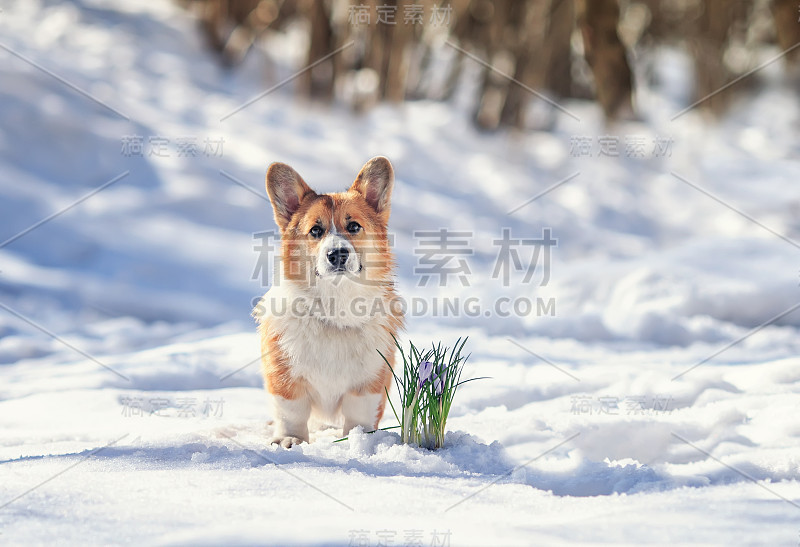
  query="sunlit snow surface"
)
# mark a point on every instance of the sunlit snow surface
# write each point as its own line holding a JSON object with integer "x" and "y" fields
{"x": 609, "y": 435}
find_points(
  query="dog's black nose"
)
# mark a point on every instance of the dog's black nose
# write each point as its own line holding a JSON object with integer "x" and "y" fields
{"x": 338, "y": 257}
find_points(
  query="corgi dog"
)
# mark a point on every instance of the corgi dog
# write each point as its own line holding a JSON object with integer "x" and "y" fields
{"x": 333, "y": 306}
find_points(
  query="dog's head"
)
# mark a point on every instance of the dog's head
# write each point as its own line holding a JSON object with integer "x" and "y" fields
{"x": 328, "y": 238}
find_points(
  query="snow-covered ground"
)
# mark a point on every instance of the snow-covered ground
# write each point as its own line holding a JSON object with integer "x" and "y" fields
{"x": 649, "y": 408}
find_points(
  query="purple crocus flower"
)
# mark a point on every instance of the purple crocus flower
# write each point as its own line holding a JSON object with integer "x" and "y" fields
{"x": 439, "y": 381}
{"x": 425, "y": 371}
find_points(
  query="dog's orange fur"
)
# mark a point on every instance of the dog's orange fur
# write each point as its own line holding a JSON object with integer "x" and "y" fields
{"x": 275, "y": 368}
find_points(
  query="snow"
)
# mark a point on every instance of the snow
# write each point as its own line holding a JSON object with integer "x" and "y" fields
{"x": 652, "y": 409}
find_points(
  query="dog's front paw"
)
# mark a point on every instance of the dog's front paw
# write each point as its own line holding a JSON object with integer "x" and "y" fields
{"x": 286, "y": 442}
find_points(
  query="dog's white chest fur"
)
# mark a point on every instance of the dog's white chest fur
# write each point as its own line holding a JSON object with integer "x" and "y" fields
{"x": 334, "y": 355}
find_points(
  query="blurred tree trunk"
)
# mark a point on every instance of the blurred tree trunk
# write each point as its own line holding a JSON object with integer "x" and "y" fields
{"x": 787, "y": 27}
{"x": 607, "y": 57}
{"x": 231, "y": 27}
{"x": 378, "y": 48}
{"x": 418, "y": 56}
{"x": 213, "y": 18}
{"x": 494, "y": 16}
{"x": 394, "y": 88}
{"x": 708, "y": 44}
{"x": 318, "y": 82}
{"x": 469, "y": 28}
{"x": 712, "y": 36}
{"x": 558, "y": 47}
{"x": 529, "y": 63}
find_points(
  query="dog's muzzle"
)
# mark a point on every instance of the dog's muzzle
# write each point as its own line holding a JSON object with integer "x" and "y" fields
{"x": 338, "y": 259}
{"x": 337, "y": 256}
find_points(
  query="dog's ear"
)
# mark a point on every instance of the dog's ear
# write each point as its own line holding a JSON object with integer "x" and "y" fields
{"x": 286, "y": 191}
{"x": 375, "y": 182}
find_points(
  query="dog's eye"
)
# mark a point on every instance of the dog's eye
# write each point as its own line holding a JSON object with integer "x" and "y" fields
{"x": 353, "y": 227}
{"x": 316, "y": 232}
